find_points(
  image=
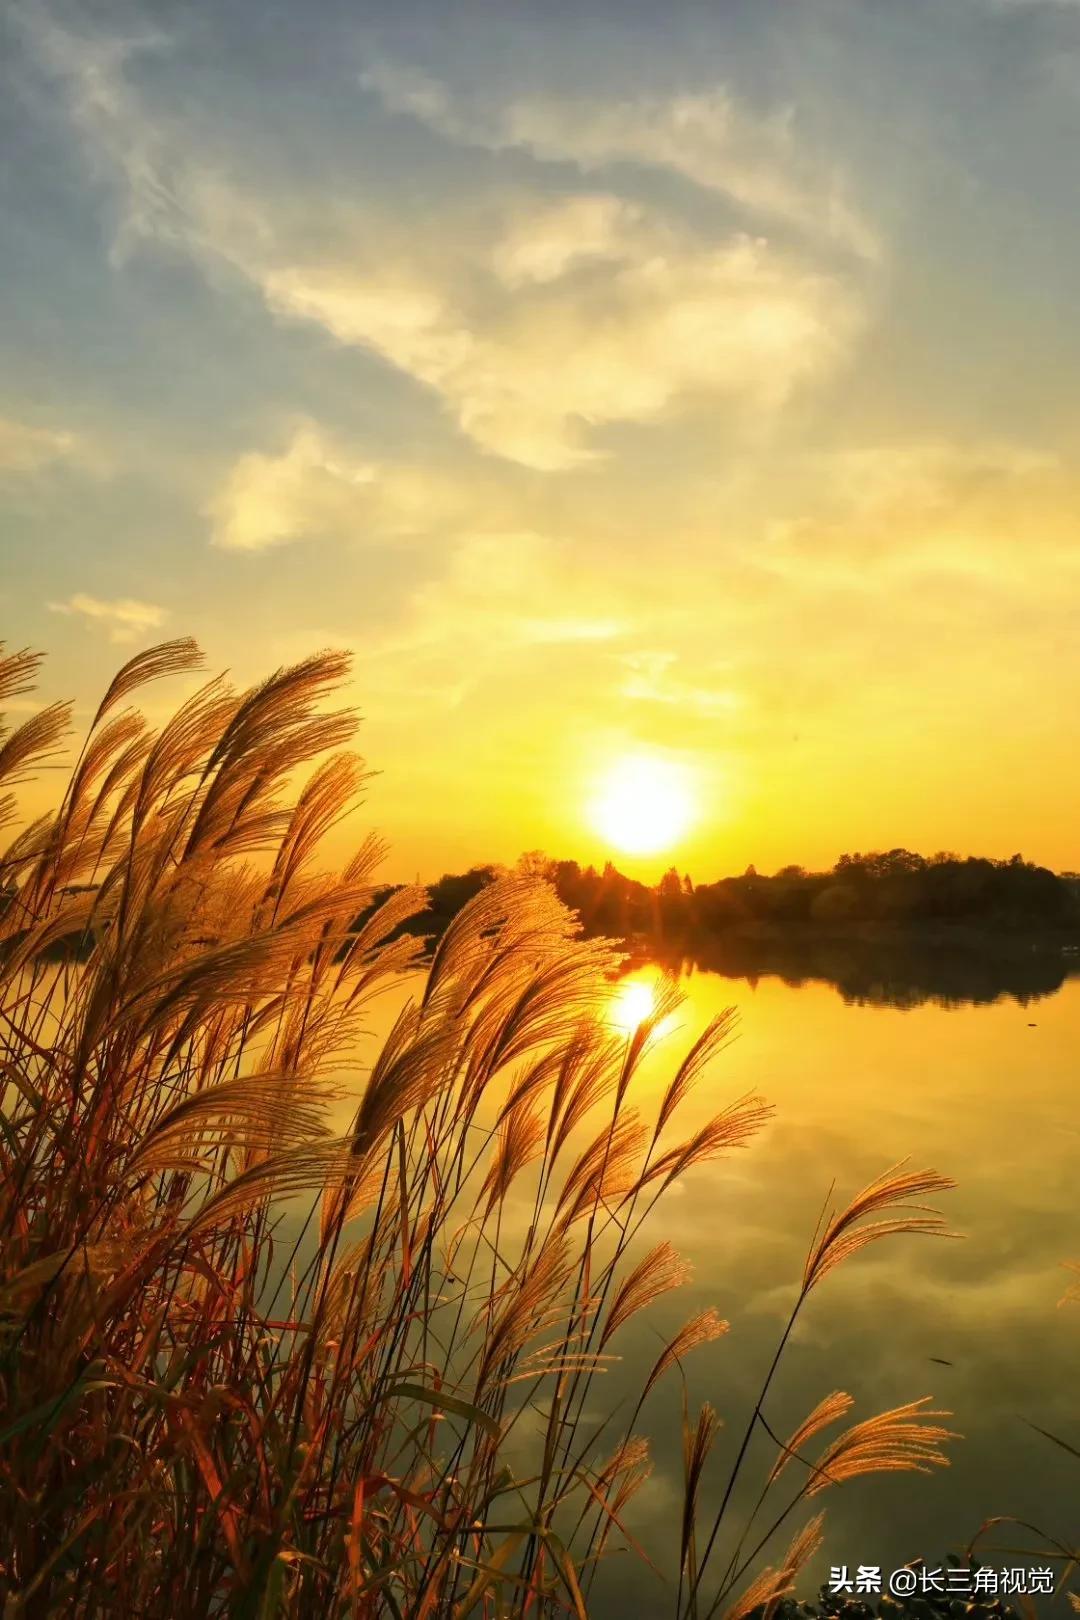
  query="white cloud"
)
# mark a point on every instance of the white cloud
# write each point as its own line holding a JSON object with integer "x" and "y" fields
{"x": 26, "y": 449}
{"x": 317, "y": 487}
{"x": 123, "y": 619}
{"x": 529, "y": 380}
{"x": 528, "y": 358}
{"x": 546, "y": 243}
{"x": 268, "y": 500}
{"x": 704, "y": 136}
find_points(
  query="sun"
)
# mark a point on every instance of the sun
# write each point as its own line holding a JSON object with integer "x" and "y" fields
{"x": 644, "y": 804}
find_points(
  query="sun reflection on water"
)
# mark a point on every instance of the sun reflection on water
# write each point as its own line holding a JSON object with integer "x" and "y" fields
{"x": 635, "y": 999}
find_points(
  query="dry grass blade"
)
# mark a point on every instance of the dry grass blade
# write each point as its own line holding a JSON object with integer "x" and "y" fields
{"x": 408, "y": 1071}
{"x": 520, "y": 1139}
{"x": 303, "y": 1169}
{"x": 604, "y": 1171}
{"x": 627, "y": 1470}
{"x": 325, "y": 799}
{"x": 584, "y": 1077}
{"x": 666, "y": 998}
{"x": 735, "y": 1127}
{"x": 526, "y": 1307}
{"x": 69, "y": 920}
{"x": 535, "y": 1078}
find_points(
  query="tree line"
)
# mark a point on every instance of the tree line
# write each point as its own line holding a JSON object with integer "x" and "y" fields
{"x": 893, "y": 887}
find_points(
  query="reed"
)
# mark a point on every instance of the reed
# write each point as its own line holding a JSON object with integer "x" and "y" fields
{"x": 253, "y": 1367}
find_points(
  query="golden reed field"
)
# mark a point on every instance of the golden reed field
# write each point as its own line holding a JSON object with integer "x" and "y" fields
{"x": 250, "y": 1367}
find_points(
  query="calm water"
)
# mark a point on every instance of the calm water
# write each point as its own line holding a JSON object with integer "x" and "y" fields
{"x": 983, "y": 1092}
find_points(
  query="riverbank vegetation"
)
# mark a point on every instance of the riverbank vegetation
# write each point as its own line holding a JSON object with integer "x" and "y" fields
{"x": 891, "y": 893}
{"x": 254, "y": 1366}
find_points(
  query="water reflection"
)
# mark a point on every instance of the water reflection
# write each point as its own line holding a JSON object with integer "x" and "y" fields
{"x": 637, "y": 998}
{"x": 982, "y": 1092}
{"x": 632, "y": 1002}
{"x": 918, "y": 1055}
{"x": 882, "y": 972}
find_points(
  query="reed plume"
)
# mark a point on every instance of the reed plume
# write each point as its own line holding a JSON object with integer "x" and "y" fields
{"x": 764, "y": 1594}
{"x": 660, "y": 1270}
{"x": 697, "y": 1444}
{"x": 825, "y": 1413}
{"x": 701, "y": 1329}
{"x": 900, "y": 1440}
{"x": 845, "y": 1233}
{"x": 897, "y": 1440}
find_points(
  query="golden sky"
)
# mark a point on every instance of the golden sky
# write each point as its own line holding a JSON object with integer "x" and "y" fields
{"x": 688, "y": 390}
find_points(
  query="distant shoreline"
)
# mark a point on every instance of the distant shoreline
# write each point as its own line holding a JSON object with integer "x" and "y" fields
{"x": 997, "y": 941}
{"x": 900, "y": 965}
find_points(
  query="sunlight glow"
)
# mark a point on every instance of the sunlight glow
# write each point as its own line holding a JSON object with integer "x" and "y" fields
{"x": 644, "y": 804}
{"x": 634, "y": 1001}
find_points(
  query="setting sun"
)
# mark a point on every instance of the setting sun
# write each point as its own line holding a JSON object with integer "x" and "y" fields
{"x": 644, "y": 805}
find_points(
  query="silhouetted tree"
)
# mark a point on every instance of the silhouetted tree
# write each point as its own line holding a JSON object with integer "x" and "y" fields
{"x": 895, "y": 888}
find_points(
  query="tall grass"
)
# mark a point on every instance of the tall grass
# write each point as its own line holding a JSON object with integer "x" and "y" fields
{"x": 252, "y": 1367}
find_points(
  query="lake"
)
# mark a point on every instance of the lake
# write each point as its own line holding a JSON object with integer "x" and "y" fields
{"x": 983, "y": 1091}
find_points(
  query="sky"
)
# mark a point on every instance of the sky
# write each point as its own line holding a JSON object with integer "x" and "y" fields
{"x": 692, "y": 385}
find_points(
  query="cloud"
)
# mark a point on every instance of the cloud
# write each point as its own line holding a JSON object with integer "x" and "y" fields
{"x": 761, "y": 162}
{"x": 529, "y": 380}
{"x": 123, "y": 619}
{"x": 506, "y": 591}
{"x": 546, "y": 243}
{"x": 507, "y": 610}
{"x": 976, "y": 512}
{"x": 564, "y": 319}
{"x": 25, "y": 449}
{"x": 652, "y": 678}
{"x": 306, "y": 491}
{"x": 318, "y": 487}
{"x": 118, "y": 140}
{"x": 928, "y": 473}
